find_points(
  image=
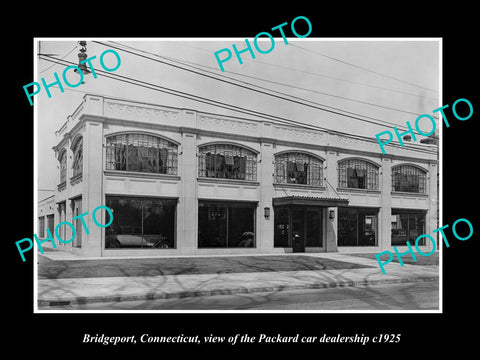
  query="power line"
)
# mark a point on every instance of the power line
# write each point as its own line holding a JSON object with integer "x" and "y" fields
{"x": 188, "y": 63}
{"x": 349, "y": 81}
{"x": 330, "y": 77}
{"x": 298, "y": 88}
{"x": 317, "y": 106}
{"x": 364, "y": 68}
{"x": 219, "y": 103}
{"x": 63, "y": 57}
{"x": 223, "y": 104}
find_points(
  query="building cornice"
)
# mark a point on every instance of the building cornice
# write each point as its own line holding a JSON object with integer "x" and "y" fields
{"x": 138, "y": 114}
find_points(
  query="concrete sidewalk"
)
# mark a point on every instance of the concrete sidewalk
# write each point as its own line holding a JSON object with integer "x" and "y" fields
{"x": 364, "y": 271}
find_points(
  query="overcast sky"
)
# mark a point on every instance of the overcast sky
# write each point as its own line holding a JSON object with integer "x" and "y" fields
{"x": 330, "y": 82}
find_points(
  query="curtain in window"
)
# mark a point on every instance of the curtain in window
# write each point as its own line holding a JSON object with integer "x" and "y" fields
{"x": 301, "y": 173}
{"x": 120, "y": 152}
{"x": 298, "y": 168}
{"x": 239, "y": 167}
{"x": 210, "y": 164}
{"x": 141, "y": 152}
{"x": 352, "y": 177}
{"x": 132, "y": 158}
{"x": 408, "y": 178}
{"x": 291, "y": 171}
{"x": 356, "y": 173}
{"x": 163, "y": 160}
{"x": 227, "y": 161}
{"x": 63, "y": 167}
{"x": 78, "y": 158}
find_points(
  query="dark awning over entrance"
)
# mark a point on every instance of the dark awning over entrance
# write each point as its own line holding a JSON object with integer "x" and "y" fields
{"x": 310, "y": 200}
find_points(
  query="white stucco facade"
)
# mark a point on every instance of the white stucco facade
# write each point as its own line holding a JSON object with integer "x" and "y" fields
{"x": 97, "y": 118}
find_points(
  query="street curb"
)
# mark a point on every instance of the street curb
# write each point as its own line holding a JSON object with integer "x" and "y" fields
{"x": 80, "y": 300}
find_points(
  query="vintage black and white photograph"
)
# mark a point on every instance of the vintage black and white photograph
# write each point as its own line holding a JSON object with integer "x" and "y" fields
{"x": 267, "y": 174}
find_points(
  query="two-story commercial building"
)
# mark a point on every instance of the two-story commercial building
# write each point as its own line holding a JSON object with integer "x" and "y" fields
{"x": 182, "y": 182}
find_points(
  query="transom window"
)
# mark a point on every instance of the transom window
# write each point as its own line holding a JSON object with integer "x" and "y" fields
{"x": 141, "y": 153}
{"x": 357, "y": 174}
{"x": 408, "y": 178}
{"x": 78, "y": 157}
{"x": 227, "y": 161}
{"x": 298, "y": 168}
{"x": 63, "y": 167}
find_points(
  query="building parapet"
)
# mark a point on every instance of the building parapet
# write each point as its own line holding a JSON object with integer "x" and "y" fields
{"x": 100, "y": 107}
{"x": 46, "y": 206}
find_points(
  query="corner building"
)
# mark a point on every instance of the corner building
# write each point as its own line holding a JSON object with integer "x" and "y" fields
{"x": 182, "y": 182}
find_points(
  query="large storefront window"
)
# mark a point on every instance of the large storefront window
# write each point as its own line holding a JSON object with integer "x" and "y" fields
{"x": 357, "y": 227}
{"x": 298, "y": 168}
{"x": 408, "y": 178}
{"x": 226, "y": 224}
{"x": 226, "y": 161}
{"x": 407, "y": 226}
{"x": 357, "y": 174}
{"x": 143, "y": 223}
{"x": 141, "y": 153}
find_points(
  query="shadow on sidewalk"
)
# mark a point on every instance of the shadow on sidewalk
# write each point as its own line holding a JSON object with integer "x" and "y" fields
{"x": 58, "y": 269}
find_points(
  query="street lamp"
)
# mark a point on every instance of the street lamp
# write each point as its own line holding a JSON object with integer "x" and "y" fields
{"x": 266, "y": 212}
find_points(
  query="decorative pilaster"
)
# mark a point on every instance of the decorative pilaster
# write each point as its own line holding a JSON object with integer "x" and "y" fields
{"x": 433, "y": 216}
{"x": 92, "y": 185}
{"x": 384, "y": 233}
{"x": 187, "y": 211}
{"x": 330, "y": 242}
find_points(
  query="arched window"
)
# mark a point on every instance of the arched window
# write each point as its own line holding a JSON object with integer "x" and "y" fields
{"x": 227, "y": 161}
{"x": 141, "y": 153}
{"x": 357, "y": 174}
{"x": 78, "y": 157}
{"x": 408, "y": 178}
{"x": 63, "y": 166}
{"x": 298, "y": 168}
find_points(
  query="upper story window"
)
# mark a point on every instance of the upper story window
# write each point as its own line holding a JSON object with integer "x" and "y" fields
{"x": 298, "y": 168}
{"x": 226, "y": 161}
{"x": 78, "y": 157}
{"x": 357, "y": 174}
{"x": 408, "y": 178}
{"x": 63, "y": 166}
{"x": 141, "y": 153}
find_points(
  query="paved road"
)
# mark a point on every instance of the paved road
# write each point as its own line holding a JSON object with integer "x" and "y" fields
{"x": 401, "y": 296}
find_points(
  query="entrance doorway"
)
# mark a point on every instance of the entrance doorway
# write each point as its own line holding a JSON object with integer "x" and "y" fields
{"x": 298, "y": 227}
